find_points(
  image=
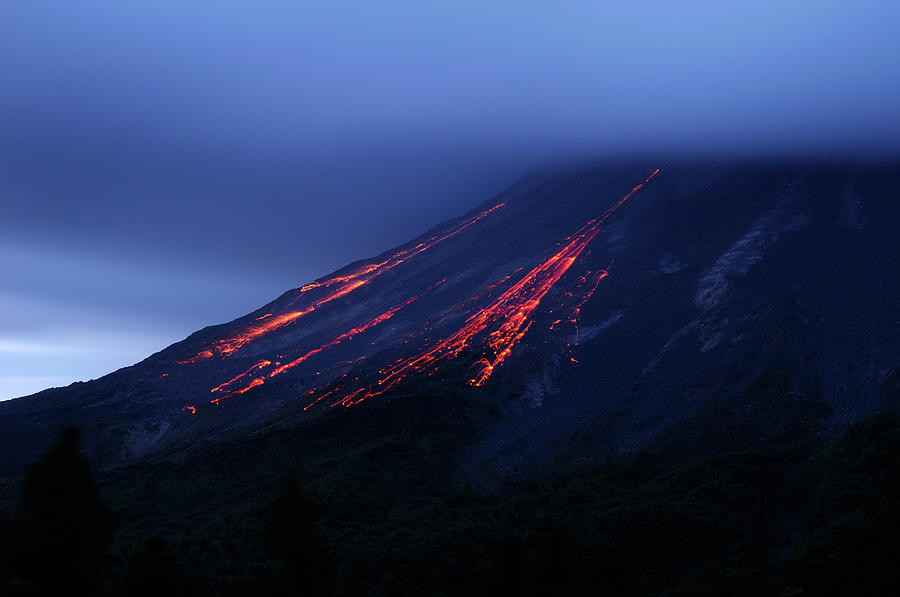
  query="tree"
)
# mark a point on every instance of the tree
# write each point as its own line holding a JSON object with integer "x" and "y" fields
{"x": 58, "y": 542}
{"x": 153, "y": 572}
{"x": 306, "y": 566}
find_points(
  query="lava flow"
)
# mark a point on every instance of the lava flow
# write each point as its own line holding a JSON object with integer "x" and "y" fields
{"x": 337, "y": 287}
{"x": 371, "y": 270}
{"x": 509, "y": 316}
{"x": 281, "y": 368}
{"x": 591, "y": 280}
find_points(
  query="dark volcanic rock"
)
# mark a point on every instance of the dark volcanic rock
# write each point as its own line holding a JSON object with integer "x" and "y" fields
{"x": 722, "y": 279}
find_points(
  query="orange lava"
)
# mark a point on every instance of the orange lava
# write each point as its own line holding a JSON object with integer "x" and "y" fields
{"x": 260, "y": 365}
{"x": 592, "y": 281}
{"x": 337, "y": 287}
{"x": 355, "y": 331}
{"x": 497, "y": 328}
{"x": 200, "y": 356}
{"x": 281, "y": 368}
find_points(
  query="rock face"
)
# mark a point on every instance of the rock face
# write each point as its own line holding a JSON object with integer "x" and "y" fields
{"x": 611, "y": 301}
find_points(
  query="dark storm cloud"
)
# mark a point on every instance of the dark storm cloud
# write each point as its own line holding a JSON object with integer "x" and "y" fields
{"x": 265, "y": 143}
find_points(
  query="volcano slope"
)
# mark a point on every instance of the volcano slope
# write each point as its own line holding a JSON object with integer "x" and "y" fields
{"x": 688, "y": 308}
{"x": 616, "y": 300}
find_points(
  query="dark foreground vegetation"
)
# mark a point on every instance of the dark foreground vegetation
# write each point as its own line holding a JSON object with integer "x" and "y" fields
{"x": 395, "y": 520}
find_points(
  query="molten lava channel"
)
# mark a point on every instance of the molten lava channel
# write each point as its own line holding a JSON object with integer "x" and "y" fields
{"x": 496, "y": 328}
{"x": 279, "y": 367}
{"x": 493, "y": 330}
{"x": 335, "y": 287}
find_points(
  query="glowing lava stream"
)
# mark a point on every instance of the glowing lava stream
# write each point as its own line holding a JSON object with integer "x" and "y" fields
{"x": 342, "y": 285}
{"x": 281, "y": 368}
{"x": 576, "y": 310}
{"x": 510, "y": 313}
{"x": 257, "y": 367}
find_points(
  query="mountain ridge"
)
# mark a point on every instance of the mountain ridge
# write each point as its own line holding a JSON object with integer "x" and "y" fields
{"x": 664, "y": 309}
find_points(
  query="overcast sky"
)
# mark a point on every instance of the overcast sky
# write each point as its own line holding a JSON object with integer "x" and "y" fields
{"x": 168, "y": 165}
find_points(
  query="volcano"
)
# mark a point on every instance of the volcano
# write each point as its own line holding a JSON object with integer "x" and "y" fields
{"x": 665, "y": 377}
{"x": 613, "y": 300}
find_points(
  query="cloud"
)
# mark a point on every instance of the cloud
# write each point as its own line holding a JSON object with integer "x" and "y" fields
{"x": 166, "y": 165}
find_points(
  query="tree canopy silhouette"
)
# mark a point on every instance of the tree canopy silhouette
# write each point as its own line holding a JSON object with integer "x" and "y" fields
{"x": 56, "y": 545}
{"x": 306, "y": 565}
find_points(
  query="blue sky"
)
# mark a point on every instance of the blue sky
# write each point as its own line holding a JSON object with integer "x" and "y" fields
{"x": 169, "y": 165}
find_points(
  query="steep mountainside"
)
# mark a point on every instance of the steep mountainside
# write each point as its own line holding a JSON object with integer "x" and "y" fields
{"x": 603, "y": 304}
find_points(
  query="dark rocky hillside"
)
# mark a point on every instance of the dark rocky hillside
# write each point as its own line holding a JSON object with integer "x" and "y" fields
{"x": 597, "y": 362}
{"x": 569, "y": 309}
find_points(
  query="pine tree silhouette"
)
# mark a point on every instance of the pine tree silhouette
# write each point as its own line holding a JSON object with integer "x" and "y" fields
{"x": 153, "y": 572}
{"x": 56, "y": 546}
{"x": 306, "y": 566}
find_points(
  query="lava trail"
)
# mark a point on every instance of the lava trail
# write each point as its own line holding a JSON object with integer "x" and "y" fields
{"x": 335, "y": 287}
{"x": 590, "y": 280}
{"x": 497, "y": 328}
{"x": 282, "y": 367}
{"x": 255, "y": 368}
